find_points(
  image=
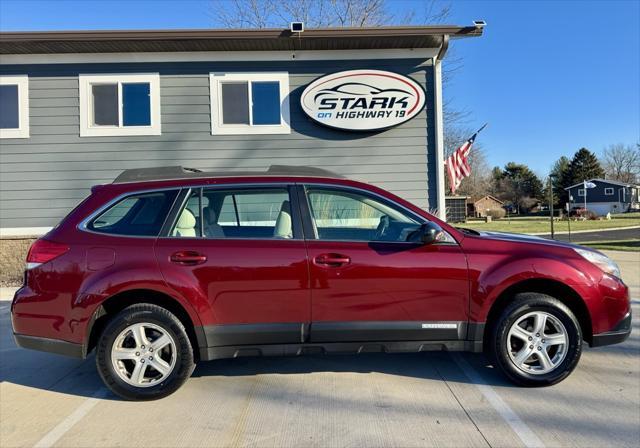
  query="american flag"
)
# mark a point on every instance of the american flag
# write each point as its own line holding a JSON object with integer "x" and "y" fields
{"x": 458, "y": 163}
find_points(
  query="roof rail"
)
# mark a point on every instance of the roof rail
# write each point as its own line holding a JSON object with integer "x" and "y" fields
{"x": 178, "y": 172}
{"x": 163, "y": 172}
{"x": 291, "y": 170}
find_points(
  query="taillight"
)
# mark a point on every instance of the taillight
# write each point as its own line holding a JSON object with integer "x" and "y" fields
{"x": 43, "y": 251}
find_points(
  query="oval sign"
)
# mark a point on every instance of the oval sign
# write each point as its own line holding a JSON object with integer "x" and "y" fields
{"x": 363, "y": 100}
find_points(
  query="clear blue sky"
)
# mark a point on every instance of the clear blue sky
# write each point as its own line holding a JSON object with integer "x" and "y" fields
{"x": 548, "y": 76}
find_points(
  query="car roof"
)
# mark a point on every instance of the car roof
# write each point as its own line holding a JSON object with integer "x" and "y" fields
{"x": 179, "y": 172}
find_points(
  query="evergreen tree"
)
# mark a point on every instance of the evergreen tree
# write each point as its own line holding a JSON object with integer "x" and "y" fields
{"x": 519, "y": 185}
{"x": 583, "y": 166}
{"x": 559, "y": 177}
{"x": 494, "y": 184}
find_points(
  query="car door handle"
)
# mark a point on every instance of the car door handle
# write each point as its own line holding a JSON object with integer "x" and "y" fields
{"x": 188, "y": 258}
{"x": 332, "y": 260}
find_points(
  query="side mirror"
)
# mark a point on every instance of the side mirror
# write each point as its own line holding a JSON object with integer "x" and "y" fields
{"x": 428, "y": 233}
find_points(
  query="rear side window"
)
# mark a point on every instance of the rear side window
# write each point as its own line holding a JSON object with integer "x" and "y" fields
{"x": 136, "y": 215}
{"x": 243, "y": 213}
{"x": 252, "y": 209}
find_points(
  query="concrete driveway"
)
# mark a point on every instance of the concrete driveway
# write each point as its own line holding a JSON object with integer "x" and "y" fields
{"x": 431, "y": 399}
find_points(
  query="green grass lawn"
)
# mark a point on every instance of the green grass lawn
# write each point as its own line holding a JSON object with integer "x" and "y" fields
{"x": 625, "y": 245}
{"x": 536, "y": 224}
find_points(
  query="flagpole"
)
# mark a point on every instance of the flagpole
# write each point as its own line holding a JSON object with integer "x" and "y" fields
{"x": 584, "y": 185}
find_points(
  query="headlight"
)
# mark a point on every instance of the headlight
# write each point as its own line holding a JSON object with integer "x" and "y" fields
{"x": 602, "y": 261}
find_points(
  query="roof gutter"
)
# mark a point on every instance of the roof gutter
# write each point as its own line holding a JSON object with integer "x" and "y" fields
{"x": 443, "y": 48}
{"x": 243, "y": 34}
{"x": 468, "y": 31}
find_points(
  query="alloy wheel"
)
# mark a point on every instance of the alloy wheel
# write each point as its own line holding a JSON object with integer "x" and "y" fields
{"x": 537, "y": 343}
{"x": 143, "y": 354}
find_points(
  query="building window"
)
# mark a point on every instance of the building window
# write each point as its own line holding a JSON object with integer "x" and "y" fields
{"x": 580, "y": 191}
{"x": 14, "y": 107}
{"x": 113, "y": 105}
{"x": 608, "y": 191}
{"x": 249, "y": 103}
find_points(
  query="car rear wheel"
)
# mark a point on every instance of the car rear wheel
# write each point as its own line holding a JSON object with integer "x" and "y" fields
{"x": 536, "y": 341}
{"x": 144, "y": 353}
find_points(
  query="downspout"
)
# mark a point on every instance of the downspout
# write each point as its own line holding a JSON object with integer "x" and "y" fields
{"x": 444, "y": 47}
{"x": 439, "y": 128}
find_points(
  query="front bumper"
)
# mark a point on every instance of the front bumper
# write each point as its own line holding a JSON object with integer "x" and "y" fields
{"x": 619, "y": 334}
{"x": 50, "y": 345}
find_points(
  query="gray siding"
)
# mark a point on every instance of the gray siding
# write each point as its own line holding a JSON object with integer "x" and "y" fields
{"x": 43, "y": 177}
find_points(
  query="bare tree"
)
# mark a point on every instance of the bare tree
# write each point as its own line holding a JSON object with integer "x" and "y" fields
{"x": 622, "y": 162}
{"x": 319, "y": 13}
{"x": 243, "y": 13}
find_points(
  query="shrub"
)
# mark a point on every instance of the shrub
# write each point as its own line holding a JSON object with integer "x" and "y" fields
{"x": 590, "y": 215}
{"x": 496, "y": 213}
{"x": 586, "y": 214}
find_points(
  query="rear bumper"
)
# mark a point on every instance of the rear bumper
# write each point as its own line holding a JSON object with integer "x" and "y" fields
{"x": 619, "y": 334}
{"x": 56, "y": 346}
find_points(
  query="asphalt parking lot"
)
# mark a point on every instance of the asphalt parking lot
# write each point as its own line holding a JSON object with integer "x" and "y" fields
{"x": 601, "y": 235}
{"x": 430, "y": 399}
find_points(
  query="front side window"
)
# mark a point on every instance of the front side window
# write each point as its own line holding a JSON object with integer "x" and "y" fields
{"x": 254, "y": 103}
{"x": 608, "y": 191}
{"x": 580, "y": 191}
{"x": 348, "y": 216}
{"x": 237, "y": 213}
{"x": 14, "y": 107}
{"x": 112, "y": 105}
{"x": 136, "y": 215}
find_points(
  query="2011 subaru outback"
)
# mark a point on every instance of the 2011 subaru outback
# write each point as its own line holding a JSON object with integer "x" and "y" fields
{"x": 167, "y": 267}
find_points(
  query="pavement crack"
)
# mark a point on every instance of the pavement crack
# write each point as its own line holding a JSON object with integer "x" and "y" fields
{"x": 239, "y": 428}
{"x": 444, "y": 380}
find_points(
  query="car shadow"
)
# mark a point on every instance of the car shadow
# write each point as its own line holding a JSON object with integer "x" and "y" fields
{"x": 71, "y": 376}
{"x": 426, "y": 365}
{"x": 79, "y": 377}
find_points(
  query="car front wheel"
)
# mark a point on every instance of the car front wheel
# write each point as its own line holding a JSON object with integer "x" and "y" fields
{"x": 537, "y": 340}
{"x": 144, "y": 353}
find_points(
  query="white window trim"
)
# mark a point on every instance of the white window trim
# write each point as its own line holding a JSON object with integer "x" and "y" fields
{"x": 22, "y": 81}
{"x": 217, "y": 128}
{"x": 86, "y": 106}
{"x": 581, "y": 192}
{"x": 608, "y": 191}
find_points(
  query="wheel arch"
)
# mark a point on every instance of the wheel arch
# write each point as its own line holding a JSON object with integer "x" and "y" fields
{"x": 553, "y": 288}
{"x": 119, "y": 301}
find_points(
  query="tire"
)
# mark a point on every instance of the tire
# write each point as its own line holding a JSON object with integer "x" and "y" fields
{"x": 509, "y": 345}
{"x": 127, "y": 343}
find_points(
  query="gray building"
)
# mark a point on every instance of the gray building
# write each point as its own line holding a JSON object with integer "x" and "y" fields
{"x": 608, "y": 196}
{"x": 77, "y": 108}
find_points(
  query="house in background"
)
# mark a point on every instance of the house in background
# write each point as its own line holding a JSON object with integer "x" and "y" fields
{"x": 479, "y": 206}
{"x": 608, "y": 196}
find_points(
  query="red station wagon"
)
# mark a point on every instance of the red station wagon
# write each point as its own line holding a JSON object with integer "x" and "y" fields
{"x": 168, "y": 266}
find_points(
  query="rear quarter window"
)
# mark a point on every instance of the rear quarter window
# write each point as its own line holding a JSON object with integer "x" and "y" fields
{"x": 136, "y": 215}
